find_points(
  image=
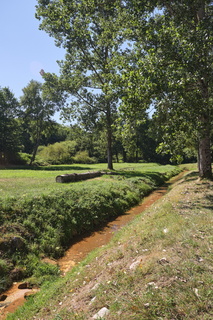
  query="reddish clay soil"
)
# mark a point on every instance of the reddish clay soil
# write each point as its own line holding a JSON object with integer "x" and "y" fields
{"x": 84, "y": 245}
{"x": 15, "y": 298}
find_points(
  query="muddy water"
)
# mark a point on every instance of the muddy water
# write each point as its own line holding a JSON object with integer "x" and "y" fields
{"x": 14, "y": 298}
{"x": 82, "y": 246}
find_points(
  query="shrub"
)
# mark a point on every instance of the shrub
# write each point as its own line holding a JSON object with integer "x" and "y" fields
{"x": 83, "y": 157}
{"x": 5, "y": 280}
{"x": 40, "y": 271}
{"x": 58, "y": 153}
{"x": 23, "y": 158}
{"x": 3, "y": 267}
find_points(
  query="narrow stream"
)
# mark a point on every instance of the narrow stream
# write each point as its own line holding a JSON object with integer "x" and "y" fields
{"x": 83, "y": 246}
{"x": 15, "y": 297}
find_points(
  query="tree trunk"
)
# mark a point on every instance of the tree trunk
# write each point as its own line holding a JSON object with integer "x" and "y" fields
{"x": 34, "y": 153}
{"x": 204, "y": 152}
{"x": 109, "y": 137}
{"x": 117, "y": 158}
{"x": 109, "y": 149}
{"x": 136, "y": 155}
{"x": 39, "y": 128}
{"x": 204, "y": 158}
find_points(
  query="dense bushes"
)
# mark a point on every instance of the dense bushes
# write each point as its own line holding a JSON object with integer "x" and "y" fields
{"x": 5, "y": 279}
{"x": 59, "y": 152}
{"x": 83, "y": 157}
{"x": 64, "y": 152}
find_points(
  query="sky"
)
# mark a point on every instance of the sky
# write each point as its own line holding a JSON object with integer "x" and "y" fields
{"x": 24, "y": 49}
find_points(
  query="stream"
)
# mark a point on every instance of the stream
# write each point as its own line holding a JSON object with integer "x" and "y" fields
{"x": 15, "y": 296}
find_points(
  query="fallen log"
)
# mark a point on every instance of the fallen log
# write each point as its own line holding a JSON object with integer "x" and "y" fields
{"x": 73, "y": 177}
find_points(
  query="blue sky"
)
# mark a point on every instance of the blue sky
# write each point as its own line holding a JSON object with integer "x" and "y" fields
{"x": 25, "y": 49}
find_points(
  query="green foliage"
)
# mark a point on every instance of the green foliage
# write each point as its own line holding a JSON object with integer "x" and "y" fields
{"x": 5, "y": 279}
{"x": 90, "y": 35}
{"x": 83, "y": 157}
{"x": 63, "y": 153}
{"x": 44, "y": 272}
{"x": 58, "y": 153}
{"x": 37, "y": 111}
{"x": 23, "y": 158}
{"x": 173, "y": 51}
{"x": 9, "y": 127}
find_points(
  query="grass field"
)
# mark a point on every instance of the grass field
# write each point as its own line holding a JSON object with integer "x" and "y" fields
{"x": 157, "y": 267}
{"x": 21, "y": 182}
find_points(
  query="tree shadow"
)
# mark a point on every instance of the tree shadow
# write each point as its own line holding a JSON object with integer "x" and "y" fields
{"x": 157, "y": 177}
{"x": 47, "y": 168}
{"x": 191, "y": 176}
{"x": 62, "y": 168}
{"x": 209, "y": 198}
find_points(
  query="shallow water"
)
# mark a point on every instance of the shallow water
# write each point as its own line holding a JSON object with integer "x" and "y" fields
{"x": 84, "y": 245}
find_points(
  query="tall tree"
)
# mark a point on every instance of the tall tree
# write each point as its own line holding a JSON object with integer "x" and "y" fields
{"x": 9, "y": 128}
{"x": 37, "y": 112}
{"x": 88, "y": 30}
{"x": 175, "y": 37}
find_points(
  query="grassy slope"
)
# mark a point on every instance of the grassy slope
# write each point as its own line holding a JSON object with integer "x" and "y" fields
{"x": 158, "y": 267}
{"x": 39, "y": 217}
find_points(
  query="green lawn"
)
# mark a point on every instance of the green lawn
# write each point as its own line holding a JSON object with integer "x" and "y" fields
{"x": 21, "y": 182}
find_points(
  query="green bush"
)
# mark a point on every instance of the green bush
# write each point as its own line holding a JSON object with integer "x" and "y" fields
{"x": 5, "y": 280}
{"x": 23, "y": 158}
{"x": 83, "y": 157}
{"x": 58, "y": 153}
{"x": 3, "y": 267}
{"x": 40, "y": 271}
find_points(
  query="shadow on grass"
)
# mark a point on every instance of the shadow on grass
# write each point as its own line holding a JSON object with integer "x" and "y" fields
{"x": 158, "y": 177}
{"x": 191, "y": 176}
{"x": 47, "y": 168}
{"x": 62, "y": 168}
{"x": 209, "y": 198}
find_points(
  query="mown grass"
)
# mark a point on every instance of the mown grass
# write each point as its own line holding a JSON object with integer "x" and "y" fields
{"x": 39, "y": 217}
{"x": 157, "y": 267}
{"x": 39, "y": 180}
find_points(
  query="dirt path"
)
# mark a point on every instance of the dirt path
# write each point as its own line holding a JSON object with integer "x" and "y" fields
{"x": 15, "y": 297}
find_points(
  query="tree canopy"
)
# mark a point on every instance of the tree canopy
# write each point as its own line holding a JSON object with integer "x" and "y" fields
{"x": 173, "y": 57}
{"x": 9, "y": 127}
{"x": 89, "y": 31}
{"x": 37, "y": 112}
{"x": 122, "y": 59}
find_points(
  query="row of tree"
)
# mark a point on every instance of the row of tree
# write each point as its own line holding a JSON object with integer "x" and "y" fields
{"x": 27, "y": 127}
{"x": 134, "y": 54}
{"x": 24, "y": 122}
{"x": 125, "y": 57}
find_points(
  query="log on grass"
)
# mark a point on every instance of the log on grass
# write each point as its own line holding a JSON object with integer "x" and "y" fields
{"x": 73, "y": 177}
